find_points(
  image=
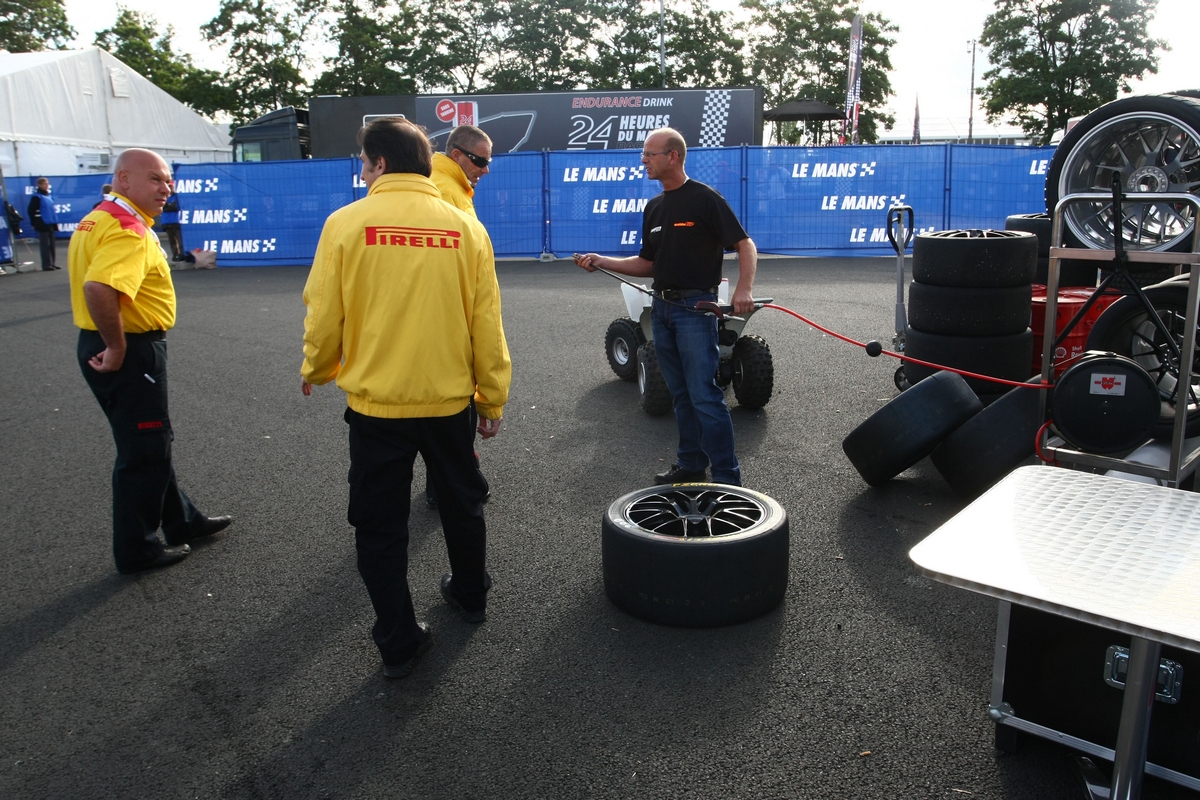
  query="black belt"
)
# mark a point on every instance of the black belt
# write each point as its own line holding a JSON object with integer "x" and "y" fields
{"x": 151, "y": 335}
{"x": 682, "y": 294}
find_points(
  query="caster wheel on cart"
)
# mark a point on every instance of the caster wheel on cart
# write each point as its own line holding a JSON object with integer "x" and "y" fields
{"x": 901, "y": 379}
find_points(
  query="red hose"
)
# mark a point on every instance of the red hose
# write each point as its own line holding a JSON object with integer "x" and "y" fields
{"x": 1037, "y": 444}
{"x": 1020, "y": 384}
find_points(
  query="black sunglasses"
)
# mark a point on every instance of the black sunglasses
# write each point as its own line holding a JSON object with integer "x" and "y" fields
{"x": 478, "y": 161}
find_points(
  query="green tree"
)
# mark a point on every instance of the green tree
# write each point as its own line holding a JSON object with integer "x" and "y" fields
{"x": 1056, "y": 59}
{"x": 269, "y": 45}
{"x": 134, "y": 39}
{"x": 377, "y": 46}
{"x": 541, "y": 46}
{"x": 800, "y": 48}
{"x": 704, "y": 46}
{"x": 30, "y": 25}
{"x": 458, "y": 39}
{"x": 624, "y": 52}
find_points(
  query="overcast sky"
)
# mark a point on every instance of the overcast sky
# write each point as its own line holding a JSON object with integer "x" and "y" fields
{"x": 931, "y": 58}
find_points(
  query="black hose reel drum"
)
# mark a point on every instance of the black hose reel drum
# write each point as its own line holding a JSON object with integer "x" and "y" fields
{"x": 1105, "y": 403}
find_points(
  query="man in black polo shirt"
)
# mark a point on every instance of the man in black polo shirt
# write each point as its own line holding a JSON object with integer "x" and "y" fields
{"x": 685, "y": 233}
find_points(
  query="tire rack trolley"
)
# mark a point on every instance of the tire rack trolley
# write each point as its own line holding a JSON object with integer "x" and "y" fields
{"x": 1130, "y": 752}
{"x": 1181, "y": 464}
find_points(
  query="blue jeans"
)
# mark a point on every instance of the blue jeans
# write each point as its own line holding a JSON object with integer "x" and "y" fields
{"x": 686, "y": 344}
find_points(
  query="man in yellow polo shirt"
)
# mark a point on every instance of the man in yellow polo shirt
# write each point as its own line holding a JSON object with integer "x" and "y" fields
{"x": 123, "y": 301}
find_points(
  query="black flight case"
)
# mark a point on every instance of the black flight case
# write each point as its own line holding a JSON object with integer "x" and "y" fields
{"x": 1062, "y": 680}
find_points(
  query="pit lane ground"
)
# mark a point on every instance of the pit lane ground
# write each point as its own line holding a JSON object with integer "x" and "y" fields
{"x": 247, "y": 671}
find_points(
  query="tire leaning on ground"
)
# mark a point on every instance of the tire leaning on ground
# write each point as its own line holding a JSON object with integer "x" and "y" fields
{"x": 1007, "y": 357}
{"x": 990, "y": 444}
{"x": 955, "y": 311}
{"x": 1125, "y": 328}
{"x": 753, "y": 372}
{"x": 656, "y": 398}
{"x": 695, "y": 554}
{"x": 1153, "y": 143}
{"x": 621, "y": 342}
{"x": 975, "y": 258}
{"x": 908, "y": 428}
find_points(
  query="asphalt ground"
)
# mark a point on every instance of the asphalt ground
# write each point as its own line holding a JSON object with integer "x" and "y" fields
{"x": 247, "y": 671}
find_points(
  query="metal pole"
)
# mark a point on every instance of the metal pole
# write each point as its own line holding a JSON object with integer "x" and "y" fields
{"x": 662, "y": 44}
{"x": 971, "y": 111}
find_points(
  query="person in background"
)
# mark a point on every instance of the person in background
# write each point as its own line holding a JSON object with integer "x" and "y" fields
{"x": 44, "y": 217}
{"x": 123, "y": 302}
{"x": 456, "y": 173}
{"x": 105, "y": 190}
{"x": 170, "y": 226}
{"x": 404, "y": 313}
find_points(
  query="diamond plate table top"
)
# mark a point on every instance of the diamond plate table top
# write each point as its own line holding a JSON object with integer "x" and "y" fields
{"x": 1113, "y": 553}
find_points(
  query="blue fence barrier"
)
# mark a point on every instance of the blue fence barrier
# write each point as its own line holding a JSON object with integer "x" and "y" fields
{"x": 828, "y": 201}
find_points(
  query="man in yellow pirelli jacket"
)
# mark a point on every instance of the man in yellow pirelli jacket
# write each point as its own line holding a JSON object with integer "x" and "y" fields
{"x": 468, "y": 154}
{"x": 404, "y": 313}
{"x": 123, "y": 302}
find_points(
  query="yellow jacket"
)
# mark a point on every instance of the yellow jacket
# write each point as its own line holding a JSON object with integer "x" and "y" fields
{"x": 452, "y": 182}
{"x": 404, "y": 307}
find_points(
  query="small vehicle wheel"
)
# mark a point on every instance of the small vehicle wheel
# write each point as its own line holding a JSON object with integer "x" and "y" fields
{"x": 621, "y": 343}
{"x": 753, "y": 372}
{"x": 900, "y": 378}
{"x": 656, "y": 398}
{"x": 695, "y": 554}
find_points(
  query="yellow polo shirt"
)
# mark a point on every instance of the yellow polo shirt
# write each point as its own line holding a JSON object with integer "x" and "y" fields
{"x": 115, "y": 245}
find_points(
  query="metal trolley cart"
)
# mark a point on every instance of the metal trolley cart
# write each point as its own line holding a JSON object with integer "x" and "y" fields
{"x": 1181, "y": 464}
{"x": 1064, "y": 679}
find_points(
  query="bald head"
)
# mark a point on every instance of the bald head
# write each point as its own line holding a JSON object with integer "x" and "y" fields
{"x": 144, "y": 178}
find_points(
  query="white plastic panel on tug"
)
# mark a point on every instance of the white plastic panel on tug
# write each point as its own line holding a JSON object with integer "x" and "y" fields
{"x": 635, "y": 301}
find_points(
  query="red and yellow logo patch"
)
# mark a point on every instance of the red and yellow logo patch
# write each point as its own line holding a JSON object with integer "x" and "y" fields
{"x": 398, "y": 236}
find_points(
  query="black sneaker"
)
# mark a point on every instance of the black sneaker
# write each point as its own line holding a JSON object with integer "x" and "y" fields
{"x": 677, "y": 474}
{"x": 405, "y": 669}
{"x": 448, "y": 595}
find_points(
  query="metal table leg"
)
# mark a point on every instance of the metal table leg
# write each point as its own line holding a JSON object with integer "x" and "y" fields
{"x": 1129, "y": 765}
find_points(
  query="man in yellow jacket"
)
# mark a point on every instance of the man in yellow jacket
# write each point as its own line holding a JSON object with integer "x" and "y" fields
{"x": 404, "y": 312}
{"x": 457, "y": 172}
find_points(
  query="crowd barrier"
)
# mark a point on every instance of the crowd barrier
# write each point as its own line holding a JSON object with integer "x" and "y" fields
{"x": 827, "y": 201}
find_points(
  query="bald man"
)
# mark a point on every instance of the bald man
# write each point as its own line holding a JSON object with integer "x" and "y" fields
{"x": 123, "y": 301}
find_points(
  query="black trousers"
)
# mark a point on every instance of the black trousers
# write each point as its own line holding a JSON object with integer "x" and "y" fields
{"x": 49, "y": 253}
{"x": 382, "y": 452}
{"x": 145, "y": 494}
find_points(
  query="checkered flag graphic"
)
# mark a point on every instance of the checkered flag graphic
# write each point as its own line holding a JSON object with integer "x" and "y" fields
{"x": 716, "y": 118}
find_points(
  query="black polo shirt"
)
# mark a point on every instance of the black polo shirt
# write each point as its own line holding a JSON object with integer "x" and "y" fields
{"x": 686, "y": 232}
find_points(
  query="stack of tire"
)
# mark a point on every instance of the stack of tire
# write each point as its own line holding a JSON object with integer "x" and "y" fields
{"x": 969, "y": 306}
{"x": 1071, "y": 272}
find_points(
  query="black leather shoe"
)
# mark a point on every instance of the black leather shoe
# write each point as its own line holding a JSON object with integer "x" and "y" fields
{"x": 171, "y": 554}
{"x": 474, "y": 617}
{"x": 208, "y": 527}
{"x": 677, "y": 474}
{"x": 405, "y": 669}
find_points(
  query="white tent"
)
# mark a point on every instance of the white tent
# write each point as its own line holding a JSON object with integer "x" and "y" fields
{"x": 70, "y": 112}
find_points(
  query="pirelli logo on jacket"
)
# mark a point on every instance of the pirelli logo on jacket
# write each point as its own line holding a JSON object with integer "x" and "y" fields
{"x": 398, "y": 236}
